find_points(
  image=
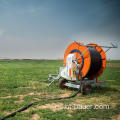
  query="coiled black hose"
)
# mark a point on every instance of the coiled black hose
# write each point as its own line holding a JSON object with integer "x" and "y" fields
{"x": 96, "y": 62}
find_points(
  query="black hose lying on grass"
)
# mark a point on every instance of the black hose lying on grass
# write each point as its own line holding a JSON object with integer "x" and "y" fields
{"x": 37, "y": 102}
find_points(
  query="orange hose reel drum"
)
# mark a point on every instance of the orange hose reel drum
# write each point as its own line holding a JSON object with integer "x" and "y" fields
{"x": 103, "y": 58}
{"x": 84, "y": 62}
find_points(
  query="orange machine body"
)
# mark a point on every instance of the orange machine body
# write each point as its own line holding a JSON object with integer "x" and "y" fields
{"x": 81, "y": 51}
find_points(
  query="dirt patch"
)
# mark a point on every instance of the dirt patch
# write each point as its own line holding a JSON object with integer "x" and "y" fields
{"x": 93, "y": 100}
{"x": 113, "y": 104}
{"x": 20, "y": 101}
{"x": 21, "y": 96}
{"x": 6, "y": 112}
{"x": 37, "y": 99}
{"x": 38, "y": 93}
{"x": 117, "y": 117}
{"x": 52, "y": 106}
{"x": 31, "y": 93}
{"x": 69, "y": 115}
{"x": 28, "y": 110}
{"x": 9, "y": 96}
{"x": 65, "y": 95}
{"x": 35, "y": 117}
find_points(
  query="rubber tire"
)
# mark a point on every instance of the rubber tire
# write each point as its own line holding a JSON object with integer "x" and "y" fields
{"x": 61, "y": 82}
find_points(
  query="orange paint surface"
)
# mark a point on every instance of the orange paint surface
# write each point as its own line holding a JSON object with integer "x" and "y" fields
{"x": 86, "y": 58}
{"x": 70, "y": 72}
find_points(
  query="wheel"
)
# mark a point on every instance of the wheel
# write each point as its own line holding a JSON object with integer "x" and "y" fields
{"x": 86, "y": 89}
{"x": 62, "y": 84}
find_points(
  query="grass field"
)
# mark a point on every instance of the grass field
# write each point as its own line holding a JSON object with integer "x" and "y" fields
{"x": 24, "y": 81}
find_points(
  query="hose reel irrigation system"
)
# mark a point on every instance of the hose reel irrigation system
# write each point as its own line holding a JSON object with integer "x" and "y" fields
{"x": 83, "y": 64}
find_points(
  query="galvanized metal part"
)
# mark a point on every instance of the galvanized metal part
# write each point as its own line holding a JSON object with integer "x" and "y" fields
{"x": 112, "y": 45}
{"x": 77, "y": 85}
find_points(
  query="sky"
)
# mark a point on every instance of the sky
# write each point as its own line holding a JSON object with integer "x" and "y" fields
{"x": 43, "y": 29}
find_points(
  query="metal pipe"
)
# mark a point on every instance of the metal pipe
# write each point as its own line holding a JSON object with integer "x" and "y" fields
{"x": 113, "y": 46}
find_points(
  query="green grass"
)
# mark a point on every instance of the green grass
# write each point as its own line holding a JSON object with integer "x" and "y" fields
{"x": 24, "y": 81}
